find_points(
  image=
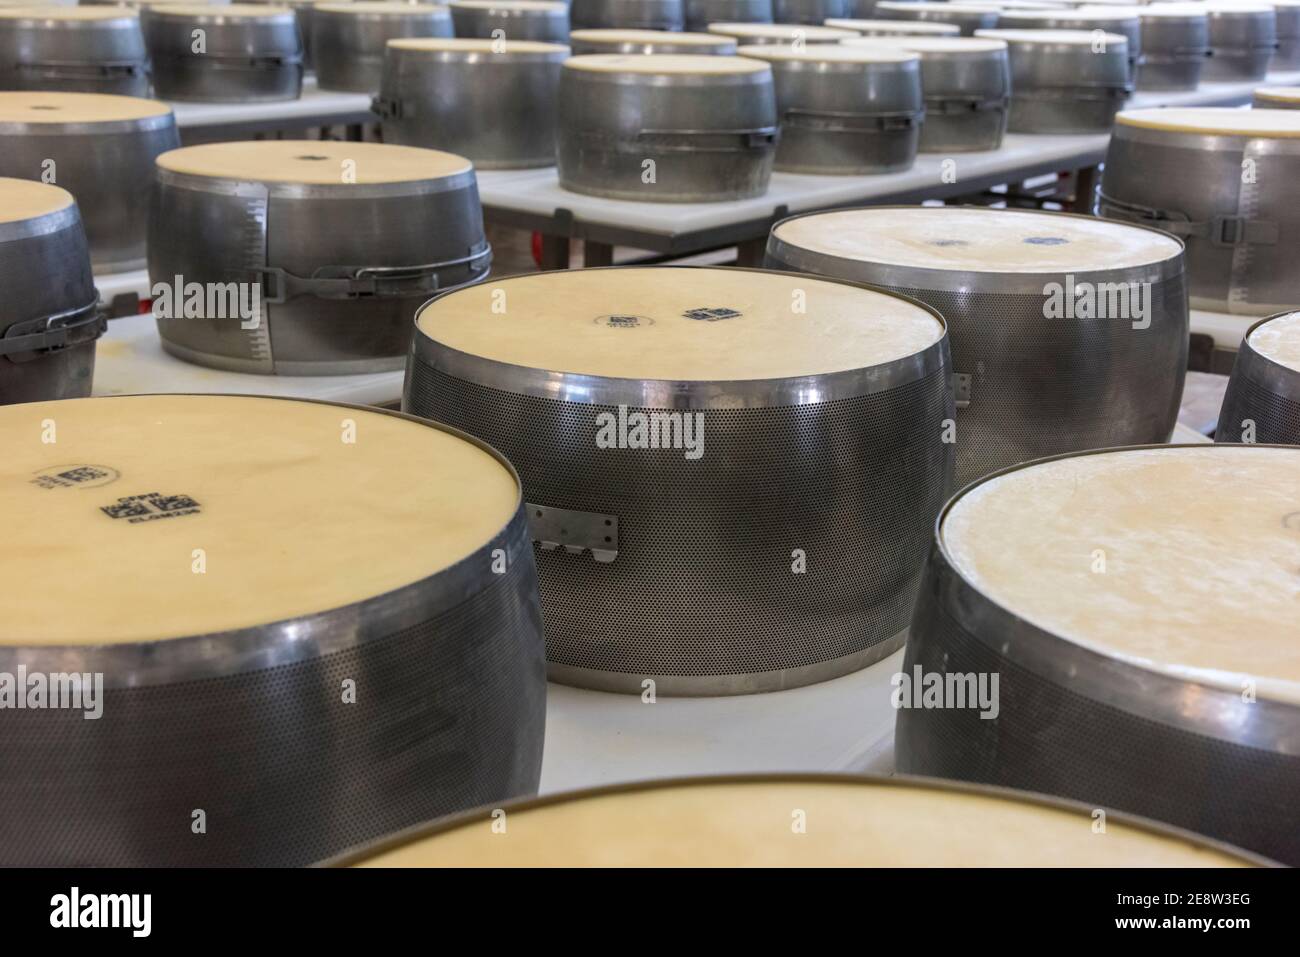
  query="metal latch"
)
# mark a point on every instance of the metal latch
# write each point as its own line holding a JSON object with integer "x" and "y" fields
{"x": 574, "y": 531}
{"x": 961, "y": 384}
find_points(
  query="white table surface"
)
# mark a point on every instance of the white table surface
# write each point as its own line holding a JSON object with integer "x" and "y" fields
{"x": 314, "y": 108}
{"x": 129, "y": 359}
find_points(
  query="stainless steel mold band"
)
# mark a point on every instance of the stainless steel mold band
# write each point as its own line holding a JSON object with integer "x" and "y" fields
{"x": 967, "y": 18}
{"x": 1262, "y": 403}
{"x": 49, "y": 311}
{"x": 247, "y": 725}
{"x": 548, "y": 22}
{"x": 846, "y": 117}
{"x": 1287, "y": 56}
{"x": 1175, "y": 50}
{"x": 846, "y": 463}
{"x": 813, "y": 12}
{"x": 74, "y": 55}
{"x": 1127, "y": 25}
{"x": 248, "y": 58}
{"x": 108, "y": 166}
{"x": 1242, "y": 237}
{"x": 583, "y": 42}
{"x": 1242, "y": 44}
{"x": 700, "y": 13}
{"x": 708, "y": 136}
{"x": 341, "y": 269}
{"x": 1035, "y": 386}
{"x": 967, "y": 100}
{"x": 1060, "y": 87}
{"x": 627, "y": 14}
{"x": 497, "y": 109}
{"x": 1093, "y": 727}
{"x": 350, "y": 44}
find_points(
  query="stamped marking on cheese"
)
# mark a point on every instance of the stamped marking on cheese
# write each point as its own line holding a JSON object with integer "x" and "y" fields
{"x": 625, "y": 321}
{"x": 712, "y": 315}
{"x": 75, "y": 476}
{"x": 150, "y": 506}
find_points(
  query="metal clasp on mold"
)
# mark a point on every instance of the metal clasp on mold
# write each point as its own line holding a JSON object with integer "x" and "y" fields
{"x": 961, "y": 388}
{"x": 574, "y": 531}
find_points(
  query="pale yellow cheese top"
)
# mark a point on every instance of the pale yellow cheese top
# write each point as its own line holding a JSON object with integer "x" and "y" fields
{"x": 780, "y": 31}
{"x": 906, "y": 5}
{"x": 918, "y": 27}
{"x": 66, "y": 13}
{"x": 1176, "y": 10}
{"x": 674, "y": 63}
{"x": 1185, "y": 561}
{"x": 941, "y": 45}
{"x": 473, "y": 45}
{"x": 1279, "y": 340}
{"x": 291, "y": 518}
{"x": 977, "y": 239}
{"x": 1282, "y": 94}
{"x": 255, "y": 11}
{"x": 647, "y": 36}
{"x": 797, "y": 824}
{"x": 25, "y": 107}
{"x": 827, "y": 53}
{"x": 1082, "y": 38}
{"x": 22, "y": 199}
{"x": 366, "y": 7}
{"x": 1011, "y": 17}
{"x": 313, "y": 162}
{"x": 649, "y": 323}
{"x": 1237, "y": 8}
{"x": 1220, "y": 121}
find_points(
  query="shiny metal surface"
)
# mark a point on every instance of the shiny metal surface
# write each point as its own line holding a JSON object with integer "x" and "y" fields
{"x": 659, "y": 42}
{"x": 48, "y": 293}
{"x": 700, "y": 598}
{"x": 1175, "y": 50}
{"x": 966, "y": 17}
{"x": 109, "y": 167}
{"x": 342, "y": 268}
{"x": 627, "y": 14}
{"x": 1242, "y": 44}
{"x": 548, "y": 22}
{"x": 1091, "y": 727}
{"x": 74, "y": 56}
{"x": 1039, "y": 386}
{"x": 247, "y": 59}
{"x": 700, "y": 13}
{"x": 845, "y": 118}
{"x": 497, "y": 109}
{"x": 1242, "y": 237}
{"x": 453, "y": 671}
{"x": 1066, "y": 87}
{"x": 1127, "y": 25}
{"x": 666, "y": 138}
{"x": 814, "y": 12}
{"x": 1287, "y": 56}
{"x": 967, "y": 100}
{"x": 1262, "y": 403}
{"x": 350, "y": 44}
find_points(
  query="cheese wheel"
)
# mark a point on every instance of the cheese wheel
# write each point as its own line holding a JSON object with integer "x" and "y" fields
{"x": 899, "y": 26}
{"x": 1201, "y": 553}
{"x": 643, "y": 36}
{"x": 540, "y": 6}
{"x": 22, "y": 199}
{"x": 903, "y": 6}
{"x": 826, "y": 53}
{"x": 378, "y": 8}
{"x": 780, "y": 31}
{"x": 1279, "y": 340}
{"x": 679, "y": 324}
{"x": 236, "y": 11}
{"x": 297, "y": 508}
{"x": 313, "y": 162}
{"x": 472, "y": 45}
{"x": 25, "y": 107}
{"x": 1068, "y": 37}
{"x": 945, "y": 45}
{"x": 846, "y": 823}
{"x": 1215, "y": 121}
{"x": 655, "y": 64}
{"x": 67, "y": 13}
{"x": 974, "y": 239}
{"x": 1279, "y": 94}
